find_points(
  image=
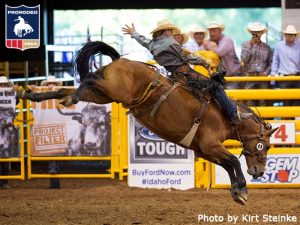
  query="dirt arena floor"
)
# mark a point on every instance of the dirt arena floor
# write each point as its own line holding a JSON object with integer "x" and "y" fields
{"x": 109, "y": 202}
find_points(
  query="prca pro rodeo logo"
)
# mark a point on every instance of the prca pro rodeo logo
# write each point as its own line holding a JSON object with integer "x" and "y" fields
{"x": 22, "y": 27}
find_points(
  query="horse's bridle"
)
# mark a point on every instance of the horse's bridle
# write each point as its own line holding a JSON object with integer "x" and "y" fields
{"x": 261, "y": 144}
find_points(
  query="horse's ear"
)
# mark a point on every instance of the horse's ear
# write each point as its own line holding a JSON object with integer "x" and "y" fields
{"x": 272, "y": 131}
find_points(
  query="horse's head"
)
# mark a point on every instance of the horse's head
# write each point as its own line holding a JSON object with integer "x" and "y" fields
{"x": 255, "y": 135}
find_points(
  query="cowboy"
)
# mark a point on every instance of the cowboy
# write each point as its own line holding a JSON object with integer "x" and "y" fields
{"x": 4, "y": 166}
{"x": 21, "y": 19}
{"x": 286, "y": 59}
{"x": 223, "y": 46}
{"x": 168, "y": 53}
{"x": 197, "y": 35}
{"x": 53, "y": 166}
{"x": 256, "y": 55}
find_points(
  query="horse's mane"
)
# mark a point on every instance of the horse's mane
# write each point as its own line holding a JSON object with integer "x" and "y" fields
{"x": 88, "y": 50}
{"x": 256, "y": 117}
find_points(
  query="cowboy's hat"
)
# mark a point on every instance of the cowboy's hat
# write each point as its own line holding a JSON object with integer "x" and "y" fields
{"x": 198, "y": 30}
{"x": 214, "y": 24}
{"x": 256, "y": 27}
{"x": 290, "y": 29}
{"x": 185, "y": 36}
{"x": 51, "y": 79}
{"x": 4, "y": 80}
{"x": 165, "y": 25}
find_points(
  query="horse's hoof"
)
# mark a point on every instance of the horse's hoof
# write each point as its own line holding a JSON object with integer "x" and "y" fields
{"x": 66, "y": 101}
{"x": 21, "y": 92}
{"x": 241, "y": 198}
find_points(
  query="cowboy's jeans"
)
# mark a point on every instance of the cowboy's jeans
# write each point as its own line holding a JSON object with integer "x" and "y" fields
{"x": 226, "y": 103}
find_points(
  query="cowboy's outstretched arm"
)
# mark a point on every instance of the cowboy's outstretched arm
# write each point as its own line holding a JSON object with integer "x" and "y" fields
{"x": 139, "y": 38}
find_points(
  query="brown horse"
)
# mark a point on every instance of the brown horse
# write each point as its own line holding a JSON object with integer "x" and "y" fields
{"x": 174, "y": 111}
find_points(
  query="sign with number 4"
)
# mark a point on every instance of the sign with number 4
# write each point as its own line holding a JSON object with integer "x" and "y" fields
{"x": 285, "y": 134}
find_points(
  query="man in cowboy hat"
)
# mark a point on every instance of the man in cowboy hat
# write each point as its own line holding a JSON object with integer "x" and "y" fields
{"x": 286, "y": 59}
{"x": 168, "y": 53}
{"x": 4, "y": 166}
{"x": 181, "y": 38}
{"x": 223, "y": 46}
{"x": 256, "y": 56}
{"x": 197, "y": 35}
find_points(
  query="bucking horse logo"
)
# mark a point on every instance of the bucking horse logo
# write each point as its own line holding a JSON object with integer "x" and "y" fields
{"x": 22, "y": 27}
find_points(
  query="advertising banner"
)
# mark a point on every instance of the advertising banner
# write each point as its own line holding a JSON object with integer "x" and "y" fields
{"x": 9, "y": 139}
{"x": 80, "y": 130}
{"x": 156, "y": 163}
{"x": 281, "y": 170}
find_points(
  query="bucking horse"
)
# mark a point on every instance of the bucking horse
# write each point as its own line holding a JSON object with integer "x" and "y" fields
{"x": 169, "y": 110}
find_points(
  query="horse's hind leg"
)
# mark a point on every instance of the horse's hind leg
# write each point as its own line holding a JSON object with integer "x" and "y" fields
{"x": 86, "y": 92}
{"x": 38, "y": 97}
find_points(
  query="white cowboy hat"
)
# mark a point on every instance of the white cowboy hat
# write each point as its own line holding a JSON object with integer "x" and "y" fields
{"x": 290, "y": 29}
{"x": 185, "y": 36}
{"x": 4, "y": 80}
{"x": 198, "y": 30}
{"x": 214, "y": 24}
{"x": 165, "y": 25}
{"x": 256, "y": 27}
{"x": 51, "y": 79}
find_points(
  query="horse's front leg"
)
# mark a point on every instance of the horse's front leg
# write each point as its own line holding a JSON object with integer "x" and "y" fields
{"x": 238, "y": 182}
{"x": 219, "y": 155}
{"x": 38, "y": 97}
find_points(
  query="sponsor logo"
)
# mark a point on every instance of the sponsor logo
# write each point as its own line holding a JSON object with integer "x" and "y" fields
{"x": 149, "y": 135}
{"x": 280, "y": 169}
{"x": 152, "y": 146}
{"x": 22, "y": 27}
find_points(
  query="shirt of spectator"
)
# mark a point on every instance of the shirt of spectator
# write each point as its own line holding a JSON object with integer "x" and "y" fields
{"x": 223, "y": 46}
{"x": 286, "y": 58}
{"x": 256, "y": 56}
{"x": 197, "y": 39}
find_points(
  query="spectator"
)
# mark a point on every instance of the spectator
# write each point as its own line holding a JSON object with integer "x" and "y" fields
{"x": 286, "y": 59}
{"x": 198, "y": 35}
{"x": 256, "y": 56}
{"x": 223, "y": 46}
{"x": 53, "y": 166}
{"x": 4, "y": 166}
{"x": 181, "y": 38}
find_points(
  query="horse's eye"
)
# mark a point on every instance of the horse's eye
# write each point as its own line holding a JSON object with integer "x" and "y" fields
{"x": 268, "y": 147}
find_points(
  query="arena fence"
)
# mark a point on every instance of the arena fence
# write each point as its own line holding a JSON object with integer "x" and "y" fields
{"x": 206, "y": 174}
{"x": 282, "y": 168}
{"x": 19, "y": 124}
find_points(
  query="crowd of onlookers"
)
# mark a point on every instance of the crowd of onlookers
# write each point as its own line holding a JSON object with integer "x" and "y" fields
{"x": 257, "y": 58}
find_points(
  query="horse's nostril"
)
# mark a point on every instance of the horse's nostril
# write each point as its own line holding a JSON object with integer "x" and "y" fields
{"x": 261, "y": 173}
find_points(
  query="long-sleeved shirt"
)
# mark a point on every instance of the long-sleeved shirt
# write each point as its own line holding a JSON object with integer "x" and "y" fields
{"x": 225, "y": 50}
{"x": 257, "y": 58}
{"x": 166, "y": 51}
{"x": 286, "y": 58}
{"x": 193, "y": 46}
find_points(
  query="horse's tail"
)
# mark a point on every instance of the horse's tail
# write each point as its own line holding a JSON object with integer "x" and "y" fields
{"x": 90, "y": 49}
